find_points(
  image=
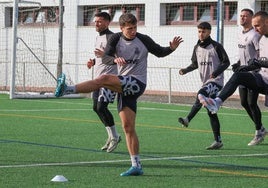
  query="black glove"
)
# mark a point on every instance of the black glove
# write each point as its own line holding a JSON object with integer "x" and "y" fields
{"x": 263, "y": 62}
{"x": 254, "y": 62}
{"x": 235, "y": 66}
{"x": 246, "y": 68}
{"x": 242, "y": 68}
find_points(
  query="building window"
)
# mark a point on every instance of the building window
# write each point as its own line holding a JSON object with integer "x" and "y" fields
{"x": 264, "y": 6}
{"x": 44, "y": 15}
{"x": 188, "y": 13}
{"x": 205, "y": 14}
{"x": 114, "y": 10}
{"x": 230, "y": 12}
{"x": 192, "y": 13}
{"x": 33, "y": 16}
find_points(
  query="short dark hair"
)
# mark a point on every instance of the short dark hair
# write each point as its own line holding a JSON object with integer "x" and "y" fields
{"x": 127, "y": 18}
{"x": 204, "y": 25}
{"x": 103, "y": 15}
{"x": 262, "y": 14}
{"x": 248, "y": 10}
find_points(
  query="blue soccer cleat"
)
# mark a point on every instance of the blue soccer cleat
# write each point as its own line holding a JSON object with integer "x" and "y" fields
{"x": 61, "y": 86}
{"x": 133, "y": 171}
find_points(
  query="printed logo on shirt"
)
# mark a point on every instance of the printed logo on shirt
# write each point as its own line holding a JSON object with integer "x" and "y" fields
{"x": 242, "y": 46}
{"x": 132, "y": 61}
{"x": 206, "y": 63}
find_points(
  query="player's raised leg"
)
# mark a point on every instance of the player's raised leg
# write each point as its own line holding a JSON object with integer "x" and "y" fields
{"x": 108, "y": 81}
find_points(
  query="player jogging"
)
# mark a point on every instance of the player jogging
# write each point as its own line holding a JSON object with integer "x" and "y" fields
{"x": 210, "y": 58}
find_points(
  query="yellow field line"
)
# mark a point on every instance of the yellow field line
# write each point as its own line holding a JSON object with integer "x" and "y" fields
{"x": 192, "y": 130}
{"x": 234, "y": 173}
{"x": 46, "y": 117}
{"x": 118, "y": 123}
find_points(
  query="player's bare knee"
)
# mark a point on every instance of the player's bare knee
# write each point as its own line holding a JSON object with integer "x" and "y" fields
{"x": 128, "y": 128}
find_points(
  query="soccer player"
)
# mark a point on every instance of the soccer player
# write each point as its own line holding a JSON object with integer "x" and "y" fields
{"x": 248, "y": 45}
{"x": 210, "y": 58}
{"x": 129, "y": 50}
{"x": 102, "y": 97}
{"x": 255, "y": 81}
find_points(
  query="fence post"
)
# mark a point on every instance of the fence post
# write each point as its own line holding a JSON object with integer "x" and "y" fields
{"x": 169, "y": 92}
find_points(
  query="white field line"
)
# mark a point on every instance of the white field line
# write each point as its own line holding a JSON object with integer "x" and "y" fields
{"x": 127, "y": 160}
{"x": 111, "y": 108}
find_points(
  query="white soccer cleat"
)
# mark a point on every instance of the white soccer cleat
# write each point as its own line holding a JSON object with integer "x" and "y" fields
{"x": 209, "y": 103}
{"x": 256, "y": 140}
{"x": 113, "y": 144}
{"x": 215, "y": 145}
{"x": 106, "y": 145}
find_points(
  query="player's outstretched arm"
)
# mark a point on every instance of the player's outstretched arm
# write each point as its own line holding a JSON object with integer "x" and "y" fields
{"x": 175, "y": 43}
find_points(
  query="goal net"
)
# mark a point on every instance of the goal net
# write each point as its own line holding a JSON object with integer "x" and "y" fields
{"x": 25, "y": 43}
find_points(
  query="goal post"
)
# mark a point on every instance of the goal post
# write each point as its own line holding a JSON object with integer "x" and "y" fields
{"x": 14, "y": 48}
{"x": 31, "y": 76}
{"x": 33, "y": 73}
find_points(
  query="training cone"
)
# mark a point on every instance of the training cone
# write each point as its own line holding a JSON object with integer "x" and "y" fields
{"x": 59, "y": 178}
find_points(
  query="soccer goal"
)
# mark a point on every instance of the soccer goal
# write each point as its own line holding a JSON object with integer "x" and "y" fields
{"x": 33, "y": 55}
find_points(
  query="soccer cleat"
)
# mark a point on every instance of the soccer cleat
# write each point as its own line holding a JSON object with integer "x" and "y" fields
{"x": 215, "y": 145}
{"x": 113, "y": 144}
{"x": 133, "y": 171}
{"x": 61, "y": 86}
{"x": 106, "y": 145}
{"x": 183, "y": 121}
{"x": 209, "y": 103}
{"x": 256, "y": 140}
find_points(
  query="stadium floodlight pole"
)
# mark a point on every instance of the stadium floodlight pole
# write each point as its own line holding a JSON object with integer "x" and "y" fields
{"x": 220, "y": 20}
{"x": 59, "y": 65}
{"x": 14, "y": 47}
